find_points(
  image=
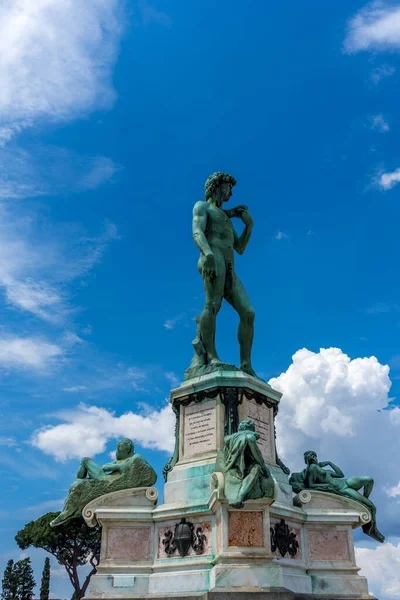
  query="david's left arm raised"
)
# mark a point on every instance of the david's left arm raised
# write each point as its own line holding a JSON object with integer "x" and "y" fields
{"x": 242, "y": 212}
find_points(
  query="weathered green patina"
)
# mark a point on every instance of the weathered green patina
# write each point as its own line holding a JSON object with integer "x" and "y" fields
{"x": 316, "y": 477}
{"x": 128, "y": 470}
{"x": 245, "y": 473}
{"x": 217, "y": 241}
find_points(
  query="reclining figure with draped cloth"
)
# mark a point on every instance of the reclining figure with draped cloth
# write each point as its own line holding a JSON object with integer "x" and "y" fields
{"x": 128, "y": 470}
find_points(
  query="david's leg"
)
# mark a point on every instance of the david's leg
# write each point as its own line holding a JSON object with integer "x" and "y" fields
{"x": 237, "y": 297}
{"x": 208, "y": 319}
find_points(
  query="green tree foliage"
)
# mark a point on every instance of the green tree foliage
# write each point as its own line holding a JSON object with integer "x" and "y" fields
{"x": 9, "y": 585}
{"x": 25, "y": 581}
{"x": 73, "y": 544}
{"x": 45, "y": 584}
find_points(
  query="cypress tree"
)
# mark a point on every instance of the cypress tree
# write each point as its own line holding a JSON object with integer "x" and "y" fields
{"x": 45, "y": 584}
{"x": 25, "y": 580}
{"x": 9, "y": 582}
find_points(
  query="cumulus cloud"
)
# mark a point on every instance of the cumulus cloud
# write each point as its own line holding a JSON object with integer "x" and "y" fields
{"x": 31, "y": 353}
{"x": 86, "y": 430}
{"x": 34, "y": 267}
{"x": 281, "y": 235}
{"x": 336, "y": 406}
{"x": 57, "y": 59}
{"x": 374, "y": 27}
{"x": 382, "y": 567}
{"x": 388, "y": 180}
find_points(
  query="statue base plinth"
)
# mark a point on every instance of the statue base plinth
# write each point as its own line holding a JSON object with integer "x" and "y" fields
{"x": 195, "y": 545}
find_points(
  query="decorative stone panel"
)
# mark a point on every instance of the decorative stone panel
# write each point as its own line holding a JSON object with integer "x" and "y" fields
{"x": 328, "y": 545}
{"x": 246, "y": 529}
{"x": 128, "y": 543}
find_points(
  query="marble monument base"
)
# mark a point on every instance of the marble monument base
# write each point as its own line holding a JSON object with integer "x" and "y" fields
{"x": 195, "y": 545}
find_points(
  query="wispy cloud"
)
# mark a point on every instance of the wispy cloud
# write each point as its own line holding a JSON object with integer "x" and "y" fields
{"x": 382, "y": 72}
{"x": 374, "y": 27}
{"x": 57, "y": 59}
{"x": 86, "y": 430}
{"x": 173, "y": 322}
{"x": 150, "y": 14}
{"x": 75, "y": 388}
{"x": 173, "y": 378}
{"x": 49, "y": 170}
{"x": 8, "y": 441}
{"x": 379, "y": 123}
{"x": 31, "y": 353}
{"x": 382, "y": 307}
{"x": 280, "y": 235}
{"x": 35, "y": 267}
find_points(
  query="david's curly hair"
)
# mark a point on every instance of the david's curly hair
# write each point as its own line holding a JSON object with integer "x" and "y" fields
{"x": 215, "y": 180}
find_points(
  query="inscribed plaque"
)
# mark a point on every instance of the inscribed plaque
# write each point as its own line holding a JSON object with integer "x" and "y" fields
{"x": 261, "y": 416}
{"x": 199, "y": 428}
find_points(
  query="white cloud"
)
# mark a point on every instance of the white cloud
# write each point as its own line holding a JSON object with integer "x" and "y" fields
{"x": 57, "y": 59}
{"x": 31, "y": 353}
{"x": 281, "y": 236}
{"x": 394, "y": 491}
{"x": 374, "y": 27}
{"x": 334, "y": 405}
{"x": 388, "y": 180}
{"x": 35, "y": 267}
{"x": 317, "y": 388}
{"x": 381, "y": 566}
{"x": 87, "y": 429}
{"x": 380, "y": 124}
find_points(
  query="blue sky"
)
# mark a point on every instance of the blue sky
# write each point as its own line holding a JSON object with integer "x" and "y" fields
{"x": 112, "y": 116}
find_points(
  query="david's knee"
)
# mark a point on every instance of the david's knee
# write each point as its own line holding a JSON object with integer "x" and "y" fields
{"x": 213, "y": 307}
{"x": 249, "y": 314}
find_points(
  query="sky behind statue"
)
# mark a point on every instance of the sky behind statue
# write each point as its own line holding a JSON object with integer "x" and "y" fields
{"x": 98, "y": 175}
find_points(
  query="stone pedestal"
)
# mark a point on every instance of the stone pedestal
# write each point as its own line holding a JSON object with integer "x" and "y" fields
{"x": 196, "y": 545}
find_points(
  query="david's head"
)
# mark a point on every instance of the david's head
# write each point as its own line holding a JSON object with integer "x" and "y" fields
{"x": 310, "y": 457}
{"x": 219, "y": 187}
{"x": 125, "y": 449}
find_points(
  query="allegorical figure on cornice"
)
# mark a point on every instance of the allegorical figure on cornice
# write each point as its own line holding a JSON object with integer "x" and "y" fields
{"x": 247, "y": 477}
{"x": 128, "y": 470}
{"x": 317, "y": 477}
{"x": 217, "y": 240}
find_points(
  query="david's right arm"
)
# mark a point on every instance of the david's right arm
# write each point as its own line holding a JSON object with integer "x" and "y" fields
{"x": 199, "y": 227}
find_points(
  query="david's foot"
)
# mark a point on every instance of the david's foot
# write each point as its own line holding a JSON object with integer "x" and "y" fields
{"x": 215, "y": 362}
{"x": 247, "y": 368}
